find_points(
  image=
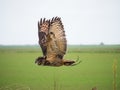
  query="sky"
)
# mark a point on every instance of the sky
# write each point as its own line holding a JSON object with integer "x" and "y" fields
{"x": 85, "y": 21}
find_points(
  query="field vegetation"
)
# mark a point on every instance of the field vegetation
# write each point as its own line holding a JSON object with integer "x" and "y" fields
{"x": 99, "y": 68}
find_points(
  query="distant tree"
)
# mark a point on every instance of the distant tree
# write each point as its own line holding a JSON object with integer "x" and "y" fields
{"x": 101, "y": 43}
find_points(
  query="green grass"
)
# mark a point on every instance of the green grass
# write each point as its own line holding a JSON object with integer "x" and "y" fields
{"x": 19, "y": 72}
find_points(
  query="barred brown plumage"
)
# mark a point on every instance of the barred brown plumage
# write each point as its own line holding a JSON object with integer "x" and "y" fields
{"x": 52, "y": 40}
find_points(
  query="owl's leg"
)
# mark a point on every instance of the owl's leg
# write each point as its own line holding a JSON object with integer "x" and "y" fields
{"x": 40, "y": 60}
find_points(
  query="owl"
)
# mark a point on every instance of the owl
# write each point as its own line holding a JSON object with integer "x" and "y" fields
{"x": 52, "y": 40}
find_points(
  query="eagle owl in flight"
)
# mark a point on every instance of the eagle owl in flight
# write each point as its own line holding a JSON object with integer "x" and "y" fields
{"x": 53, "y": 43}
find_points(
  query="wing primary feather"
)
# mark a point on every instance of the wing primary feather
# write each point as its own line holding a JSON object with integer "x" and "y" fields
{"x": 55, "y": 18}
{"x": 41, "y": 21}
{"x": 44, "y": 20}
{"x": 52, "y": 20}
{"x": 38, "y": 27}
{"x": 49, "y": 22}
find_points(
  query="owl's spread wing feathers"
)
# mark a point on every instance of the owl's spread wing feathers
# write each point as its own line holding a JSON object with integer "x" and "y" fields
{"x": 43, "y": 27}
{"x": 52, "y": 38}
{"x": 57, "y": 37}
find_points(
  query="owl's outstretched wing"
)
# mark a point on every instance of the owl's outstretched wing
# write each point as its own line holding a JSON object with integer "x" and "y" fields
{"x": 43, "y": 27}
{"x": 57, "y": 43}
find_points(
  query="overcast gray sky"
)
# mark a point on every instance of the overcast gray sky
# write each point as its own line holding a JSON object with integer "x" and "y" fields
{"x": 85, "y": 21}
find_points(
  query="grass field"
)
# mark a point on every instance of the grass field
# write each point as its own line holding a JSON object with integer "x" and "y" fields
{"x": 19, "y": 72}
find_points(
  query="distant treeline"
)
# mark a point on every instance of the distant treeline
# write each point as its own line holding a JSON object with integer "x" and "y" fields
{"x": 71, "y": 48}
{"x": 94, "y": 48}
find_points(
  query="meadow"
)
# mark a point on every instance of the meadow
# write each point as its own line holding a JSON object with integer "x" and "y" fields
{"x": 18, "y": 70}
